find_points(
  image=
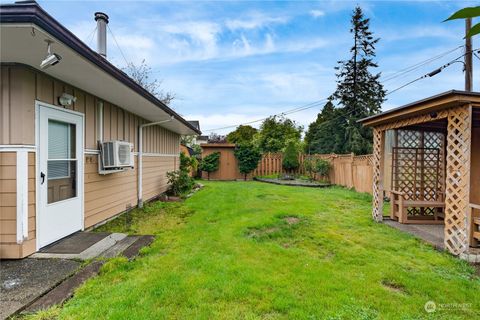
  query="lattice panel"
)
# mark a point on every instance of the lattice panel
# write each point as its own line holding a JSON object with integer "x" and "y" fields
{"x": 409, "y": 138}
{"x": 437, "y": 140}
{"x": 416, "y": 174}
{"x": 377, "y": 158}
{"x": 411, "y": 121}
{"x": 421, "y": 211}
{"x": 457, "y": 179}
{"x": 457, "y": 167}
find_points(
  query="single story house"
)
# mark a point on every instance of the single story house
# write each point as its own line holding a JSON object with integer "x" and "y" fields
{"x": 79, "y": 139}
{"x": 426, "y": 160}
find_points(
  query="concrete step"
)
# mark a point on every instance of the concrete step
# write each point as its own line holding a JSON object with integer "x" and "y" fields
{"x": 119, "y": 247}
{"x": 90, "y": 253}
{"x": 133, "y": 251}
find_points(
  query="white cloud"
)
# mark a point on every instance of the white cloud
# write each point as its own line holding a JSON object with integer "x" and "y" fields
{"x": 418, "y": 32}
{"x": 255, "y": 20}
{"x": 203, "y": 35}
{"x": 317, "y": 13}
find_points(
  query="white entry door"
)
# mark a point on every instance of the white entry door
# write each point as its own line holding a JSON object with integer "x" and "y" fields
{"x": 60, "y": 174}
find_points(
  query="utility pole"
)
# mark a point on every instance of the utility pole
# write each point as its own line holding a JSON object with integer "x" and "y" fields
{"x": 468, "y": 56}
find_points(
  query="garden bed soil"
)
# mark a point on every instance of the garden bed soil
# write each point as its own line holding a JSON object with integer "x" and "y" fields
{"x": 295, "y": 182}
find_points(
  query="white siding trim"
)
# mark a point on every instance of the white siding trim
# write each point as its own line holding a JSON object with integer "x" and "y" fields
{"x": 22, "y": 195}
{"x": 17, "y": 147}
{"x": 94, "y": 151}
{"x": 158, "y": 154}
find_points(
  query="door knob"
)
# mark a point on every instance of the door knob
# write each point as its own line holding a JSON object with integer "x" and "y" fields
{"x": 42, "y": 176}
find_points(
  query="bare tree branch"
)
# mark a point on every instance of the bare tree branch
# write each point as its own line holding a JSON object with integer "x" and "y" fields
{"x": 141, "y": 74}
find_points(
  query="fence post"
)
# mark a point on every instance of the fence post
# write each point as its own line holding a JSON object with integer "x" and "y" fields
{"x": 352, "y": 158}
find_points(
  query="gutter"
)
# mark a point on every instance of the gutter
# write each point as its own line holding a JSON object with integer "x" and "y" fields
{"x": 31, "y": 12}
{"x": 140, "y": 158}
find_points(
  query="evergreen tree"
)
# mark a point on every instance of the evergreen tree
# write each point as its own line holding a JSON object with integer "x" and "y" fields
{"x": 359, "y": 92}
{"x": 248, "y": 157}
{"x": 290, "y": 156}
{"x": 327, "y": 133}
{"x": 210, "y": 163}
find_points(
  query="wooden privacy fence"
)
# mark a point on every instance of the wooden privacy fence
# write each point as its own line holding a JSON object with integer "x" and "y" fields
{"x": 347, "y": 170}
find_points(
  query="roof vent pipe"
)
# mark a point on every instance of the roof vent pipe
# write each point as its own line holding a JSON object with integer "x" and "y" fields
{"x": 102, "y": 21}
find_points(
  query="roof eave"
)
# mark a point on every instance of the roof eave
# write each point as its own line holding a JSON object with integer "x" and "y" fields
{"x": 31, "y": 12}
{"x": 434, "y": 103}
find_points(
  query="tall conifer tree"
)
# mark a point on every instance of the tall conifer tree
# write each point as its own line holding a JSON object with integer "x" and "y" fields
{"x": 359, "y": 91}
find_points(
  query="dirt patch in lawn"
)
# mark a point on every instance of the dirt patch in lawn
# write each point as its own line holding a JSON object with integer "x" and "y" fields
{"x": 394, "y": 286}
{"x": 291, "y": 220}
{"x": 282, "y": 230}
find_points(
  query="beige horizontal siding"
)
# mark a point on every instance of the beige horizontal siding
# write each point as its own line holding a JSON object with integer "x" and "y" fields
{"x": 21, "y": 86}
{"x": 109, "y": 195}
{"x": 105, "y": 195}
{"x": 9, "y": 249}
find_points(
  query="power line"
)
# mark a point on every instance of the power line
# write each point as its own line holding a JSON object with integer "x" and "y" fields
{"x": 396, "y": 74}
{"x": 298, "y": 109}
{"x": 419, "y": 65}
{"x": 430, "y": 74}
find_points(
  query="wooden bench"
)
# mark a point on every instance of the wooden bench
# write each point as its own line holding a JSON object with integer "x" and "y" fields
{"x": 475, "y": 225}
{"x": 399, "y": 210}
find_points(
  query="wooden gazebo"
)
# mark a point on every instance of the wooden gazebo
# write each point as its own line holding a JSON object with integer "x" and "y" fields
{"x": 426, "y": 162}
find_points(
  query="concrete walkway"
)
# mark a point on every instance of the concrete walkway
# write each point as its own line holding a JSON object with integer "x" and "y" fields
{"x": 22, "y": 281}
{"x": 434, "y": 234}
{"x": 49, "y": 277}
{"x": 430, "y": 233}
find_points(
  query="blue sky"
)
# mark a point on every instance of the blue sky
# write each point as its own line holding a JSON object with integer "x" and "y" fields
{"x": 234, "y": 62}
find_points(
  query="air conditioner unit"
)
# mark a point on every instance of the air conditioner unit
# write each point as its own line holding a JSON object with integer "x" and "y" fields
{"x": 117, "y": 154}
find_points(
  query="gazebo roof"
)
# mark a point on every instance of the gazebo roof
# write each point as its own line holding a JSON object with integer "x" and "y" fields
{"x": 431, "y": 105}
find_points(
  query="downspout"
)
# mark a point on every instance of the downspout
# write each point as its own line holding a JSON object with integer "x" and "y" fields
{"x": 140, "y": 156}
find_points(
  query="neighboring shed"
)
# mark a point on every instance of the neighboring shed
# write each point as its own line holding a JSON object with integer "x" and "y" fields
{"x": 228, "y": 169}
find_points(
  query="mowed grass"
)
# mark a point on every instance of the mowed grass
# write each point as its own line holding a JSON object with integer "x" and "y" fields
{"x": 247, "y": 250}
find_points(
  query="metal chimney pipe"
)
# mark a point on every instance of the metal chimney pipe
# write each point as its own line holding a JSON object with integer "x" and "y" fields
{"x": 102, "y": 21}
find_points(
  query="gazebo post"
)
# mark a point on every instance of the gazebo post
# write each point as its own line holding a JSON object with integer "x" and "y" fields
{"x": 378, "y": 166}
{"x": 457, "y": 195}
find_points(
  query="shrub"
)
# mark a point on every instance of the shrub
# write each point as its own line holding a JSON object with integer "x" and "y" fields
{"x": 248, "y": 157}
{"x": 188, "y": 163}
{"x": 309, "y": 167}
{"x": 290, "y": 156}
{"x": 315, "y": 167}
{"x": 322, "y": 168}
{"x": 210, "y": 163}
{"x": 180, "y": 182}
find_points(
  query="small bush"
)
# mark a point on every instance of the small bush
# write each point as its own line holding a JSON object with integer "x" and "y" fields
{"x": 290, "y": 156}
{"x": 210, "y": 163}
{"x": 188, "y": 163}
{"x": 180, "y": 182}
{"x": 248, "y": 157}
{"x": 322, "y": 168}
{"x": 309, "y": 167}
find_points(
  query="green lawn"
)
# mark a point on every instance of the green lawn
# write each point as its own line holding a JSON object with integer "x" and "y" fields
{"x": 247, "y": 250}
